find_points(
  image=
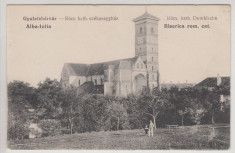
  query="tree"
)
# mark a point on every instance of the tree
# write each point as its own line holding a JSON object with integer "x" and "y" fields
{"x": 134, "y": 115}
{"x": 50, "y": 127}
{"x": 197, "y": 108}
{"x": 92, "y": 115}
{"x": 71, "y": 107}
{"x": 182, "y": 113}
{"x": 49, "y": 99}
{"x": 153, "y": 103}
{"x": 118, "y": 112}
{"x": 21, "y": 99}
{"x": 212, "y": 103}
{"x": 199, "y": 113}
{"x": 187, "y": 103}
{"x": 179, "y": 99}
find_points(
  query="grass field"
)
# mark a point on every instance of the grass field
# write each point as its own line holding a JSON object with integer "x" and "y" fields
{"x": 188, "y": 137}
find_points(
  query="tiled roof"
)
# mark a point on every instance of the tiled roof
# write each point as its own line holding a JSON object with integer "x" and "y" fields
{"x": 146, "y": 15}
{"x": 96, "y": 69}
{"x": 76, "y": 69}
{"x": 212, "y": 82}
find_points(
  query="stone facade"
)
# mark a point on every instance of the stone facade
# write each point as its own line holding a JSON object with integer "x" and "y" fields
{"x": 146, "y": 45}
{"x": 125, "y": 76}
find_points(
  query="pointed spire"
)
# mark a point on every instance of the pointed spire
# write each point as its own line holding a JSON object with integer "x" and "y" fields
{"x": 145, "y": 16}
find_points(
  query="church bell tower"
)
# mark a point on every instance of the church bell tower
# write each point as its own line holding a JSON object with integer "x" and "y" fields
{"x": 146, "y": 46}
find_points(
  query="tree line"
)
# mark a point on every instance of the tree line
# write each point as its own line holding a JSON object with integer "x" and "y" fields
{"x": 57, "y": 111}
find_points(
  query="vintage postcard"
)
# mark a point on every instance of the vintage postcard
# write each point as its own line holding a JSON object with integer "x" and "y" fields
{"x": 118, "y": 77}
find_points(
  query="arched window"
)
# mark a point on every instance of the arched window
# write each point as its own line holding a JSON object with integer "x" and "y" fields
{"x": 79, "y": 82}
{"x": 153, "y": 77}
{"x": 152, "y": 68}
{"x": 141, "y": 29}
{"x": 140, "y": 48}
{"x": 152, "y": 30}
{"x": 152, "y": 59}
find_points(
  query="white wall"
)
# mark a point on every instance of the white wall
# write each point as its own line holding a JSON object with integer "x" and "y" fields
{"x": 74, "y": 80}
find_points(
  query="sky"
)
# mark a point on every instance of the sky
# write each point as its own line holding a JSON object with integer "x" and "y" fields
{"x": 184, "y": 53}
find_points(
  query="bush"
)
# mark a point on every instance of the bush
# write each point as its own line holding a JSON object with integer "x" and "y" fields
{"x": 18, "y": 130}
{"x": 50, "y": 127}
{"x": 170, "y": 116}
{"x": 206, "y": 119}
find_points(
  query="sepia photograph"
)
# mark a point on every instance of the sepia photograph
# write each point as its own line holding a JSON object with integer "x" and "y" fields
{"x": 118, "y": 77}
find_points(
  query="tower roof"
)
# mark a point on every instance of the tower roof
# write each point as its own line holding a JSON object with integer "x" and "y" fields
{"x": 146, "y": 15}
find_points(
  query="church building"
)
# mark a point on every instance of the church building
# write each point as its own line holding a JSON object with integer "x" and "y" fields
{"x": 124, "y": 76}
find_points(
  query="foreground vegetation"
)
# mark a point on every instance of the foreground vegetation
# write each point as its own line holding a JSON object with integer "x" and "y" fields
{"x": 188, "y": 137}
{"x": 56, "y": 111}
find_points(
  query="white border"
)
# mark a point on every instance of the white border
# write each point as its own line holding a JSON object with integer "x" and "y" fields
{"x": 3, "y": 85}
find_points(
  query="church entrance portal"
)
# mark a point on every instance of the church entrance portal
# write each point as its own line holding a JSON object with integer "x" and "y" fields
{"x": 139, "y": 83}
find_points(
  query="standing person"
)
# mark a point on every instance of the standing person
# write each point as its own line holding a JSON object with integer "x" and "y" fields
{"x": 146, "y": 129}
{"x": 151, "y": 126}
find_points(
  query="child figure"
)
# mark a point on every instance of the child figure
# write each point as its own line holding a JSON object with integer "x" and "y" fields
{"x": 146, "y": 129}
